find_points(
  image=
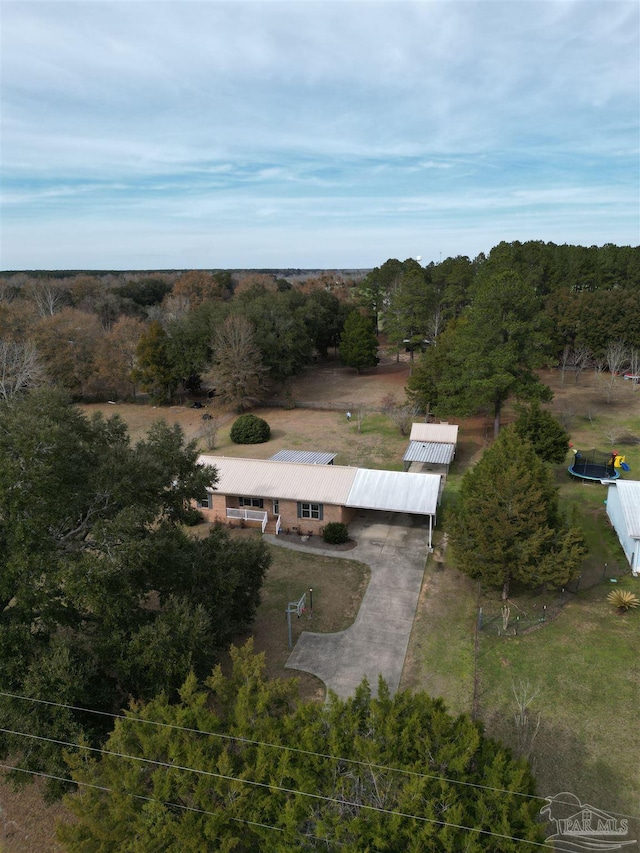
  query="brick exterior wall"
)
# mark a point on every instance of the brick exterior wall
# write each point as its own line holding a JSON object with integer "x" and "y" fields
{"x": 288, "y": 514}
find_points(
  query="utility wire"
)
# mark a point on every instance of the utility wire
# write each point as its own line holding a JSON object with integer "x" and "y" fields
{"x": 271, "y": 787}
{"x": 169, "y": 803}
{"x": 299, "y": 751}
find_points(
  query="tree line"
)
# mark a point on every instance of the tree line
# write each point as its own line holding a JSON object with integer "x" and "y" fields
{"x": 108, "y": 336}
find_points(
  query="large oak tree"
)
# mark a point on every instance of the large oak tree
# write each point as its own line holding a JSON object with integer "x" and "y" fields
{"x": 102, "y": 594}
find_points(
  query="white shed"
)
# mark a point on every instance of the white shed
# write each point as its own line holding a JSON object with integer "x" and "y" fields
{"x": 623, "y": 509}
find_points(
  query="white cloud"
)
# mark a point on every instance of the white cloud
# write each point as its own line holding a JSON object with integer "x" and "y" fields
{"x": 317, "y": 105}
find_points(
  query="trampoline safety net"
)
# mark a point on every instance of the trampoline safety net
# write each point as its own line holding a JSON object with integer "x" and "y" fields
{"x": 593, "y": 464}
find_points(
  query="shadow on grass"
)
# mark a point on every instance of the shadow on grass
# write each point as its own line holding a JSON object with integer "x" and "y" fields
{"x": 561, "y": 762}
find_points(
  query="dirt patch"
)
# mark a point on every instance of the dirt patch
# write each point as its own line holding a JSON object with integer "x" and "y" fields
{"x": 375, "y": 443}
{"x": 27, "y": 825}
{"x": 332, "y": 383}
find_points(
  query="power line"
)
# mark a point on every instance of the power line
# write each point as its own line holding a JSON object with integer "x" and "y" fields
{"x": 106, "y": 789}
{"x": 284, "y": 747}
{"x": 271, "y": 787}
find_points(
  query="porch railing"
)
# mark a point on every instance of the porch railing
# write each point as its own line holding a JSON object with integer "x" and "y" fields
{"x": 278, "y": 525}
{"x": 249, "y": 515}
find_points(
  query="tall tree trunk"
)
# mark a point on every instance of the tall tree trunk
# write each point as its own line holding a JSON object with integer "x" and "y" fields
{"x": 505, "y": 589}
{"x": 496, "y": 418}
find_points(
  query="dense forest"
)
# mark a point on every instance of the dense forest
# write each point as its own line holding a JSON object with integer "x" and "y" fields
{"x": 112, "y": 335}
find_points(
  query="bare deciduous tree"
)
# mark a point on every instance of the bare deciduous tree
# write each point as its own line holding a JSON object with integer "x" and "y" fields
{"x": 20, "y": 368}
{"x": 581, "y": 359}
{"x": 634, "y": 366}
{"x": 616, "y": 357}
{"x": 614, "y": 434}
{"x": 209, "y": 431}
{"x": 565, "y": 361}
{"x": 237, "y": 370}
{"x": 48, "y": 298}
{"x": 403, "y": 416}
{"x": 526, "y": 731}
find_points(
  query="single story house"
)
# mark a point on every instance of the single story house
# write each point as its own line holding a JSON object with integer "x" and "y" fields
{"x": 431, "y": 447}
{"x": 301, "y": 498}
{"x": 623, "y": 509}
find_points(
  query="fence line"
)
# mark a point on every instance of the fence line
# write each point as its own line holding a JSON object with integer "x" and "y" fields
{"x": 337, "y": 406}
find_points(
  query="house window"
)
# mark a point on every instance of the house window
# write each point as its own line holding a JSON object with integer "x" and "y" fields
{"x": 205, "y": 503}
{"x": 257, "y": 502}
{"x": 306, "y": 510}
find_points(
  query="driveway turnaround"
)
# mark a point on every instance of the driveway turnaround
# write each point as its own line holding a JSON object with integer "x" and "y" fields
{"x": 395, "y": 546}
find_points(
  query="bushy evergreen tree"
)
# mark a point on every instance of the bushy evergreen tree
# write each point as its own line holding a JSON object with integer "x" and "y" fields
{"x": 507, "y": 524}
{"x": 250, "y": 429}
{"x": 358, "y": 343}
{"x": 406, "y": 775}
{"x": 549, "y": 438}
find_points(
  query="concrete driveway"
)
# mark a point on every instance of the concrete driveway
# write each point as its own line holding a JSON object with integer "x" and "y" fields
{"x": 395, "y": 546}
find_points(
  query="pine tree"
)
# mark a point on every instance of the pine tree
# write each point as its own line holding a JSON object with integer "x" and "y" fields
{"x": 493, "y": 350}
{"x": 507, "y": 525}
{"x": 358, "y": 343}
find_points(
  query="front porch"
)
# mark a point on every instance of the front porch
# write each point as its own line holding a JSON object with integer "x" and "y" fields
{"x": 267, "y": 522}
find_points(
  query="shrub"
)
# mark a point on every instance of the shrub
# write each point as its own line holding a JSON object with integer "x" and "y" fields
{"x": 623, "y": 600}
{"x": 335, "y": 532}
{"x": 191, "y": 516}
{"x": 248, "y": 429}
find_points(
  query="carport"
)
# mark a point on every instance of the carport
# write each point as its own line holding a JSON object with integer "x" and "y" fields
{"x": 396, "y": 491}
{"x": 431, "y": 447}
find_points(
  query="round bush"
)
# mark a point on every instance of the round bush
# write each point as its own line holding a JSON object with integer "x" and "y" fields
{"x": 192, "y": 516}
{"x": 335, "y": 532}
{"x": 248, "y": 429}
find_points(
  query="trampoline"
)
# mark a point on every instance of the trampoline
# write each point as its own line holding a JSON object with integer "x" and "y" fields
{"x": 593, "y": 465}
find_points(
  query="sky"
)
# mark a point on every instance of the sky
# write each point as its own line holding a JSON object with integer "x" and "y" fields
{"x": 176, "y": 134}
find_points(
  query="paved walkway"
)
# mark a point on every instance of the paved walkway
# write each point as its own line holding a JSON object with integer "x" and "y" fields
{"x": 394, "y": 545}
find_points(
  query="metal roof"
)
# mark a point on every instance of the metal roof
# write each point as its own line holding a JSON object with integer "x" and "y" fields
{"x": 332, "y": 484}
{"x": 398, "y": 491}
{"x": 431, "y": 451}
{"x": 438, "y": 433}
{"x": 309, "y": 457}
{"x": 629, "y": 493}
{"x": 295, "y": 481}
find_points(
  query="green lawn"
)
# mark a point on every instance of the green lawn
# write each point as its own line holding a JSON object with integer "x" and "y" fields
{"x": 586, "y": 661}
{"x": 338, "y": 587}
{"x": 586, "y": 665}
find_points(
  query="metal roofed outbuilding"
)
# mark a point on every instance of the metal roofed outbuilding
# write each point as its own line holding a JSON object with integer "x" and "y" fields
{"x": 437, "y": 433}
{"x": 623, "y": 509}
{"x": 431, "y": 452}
{"x": 308, "y": 457}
